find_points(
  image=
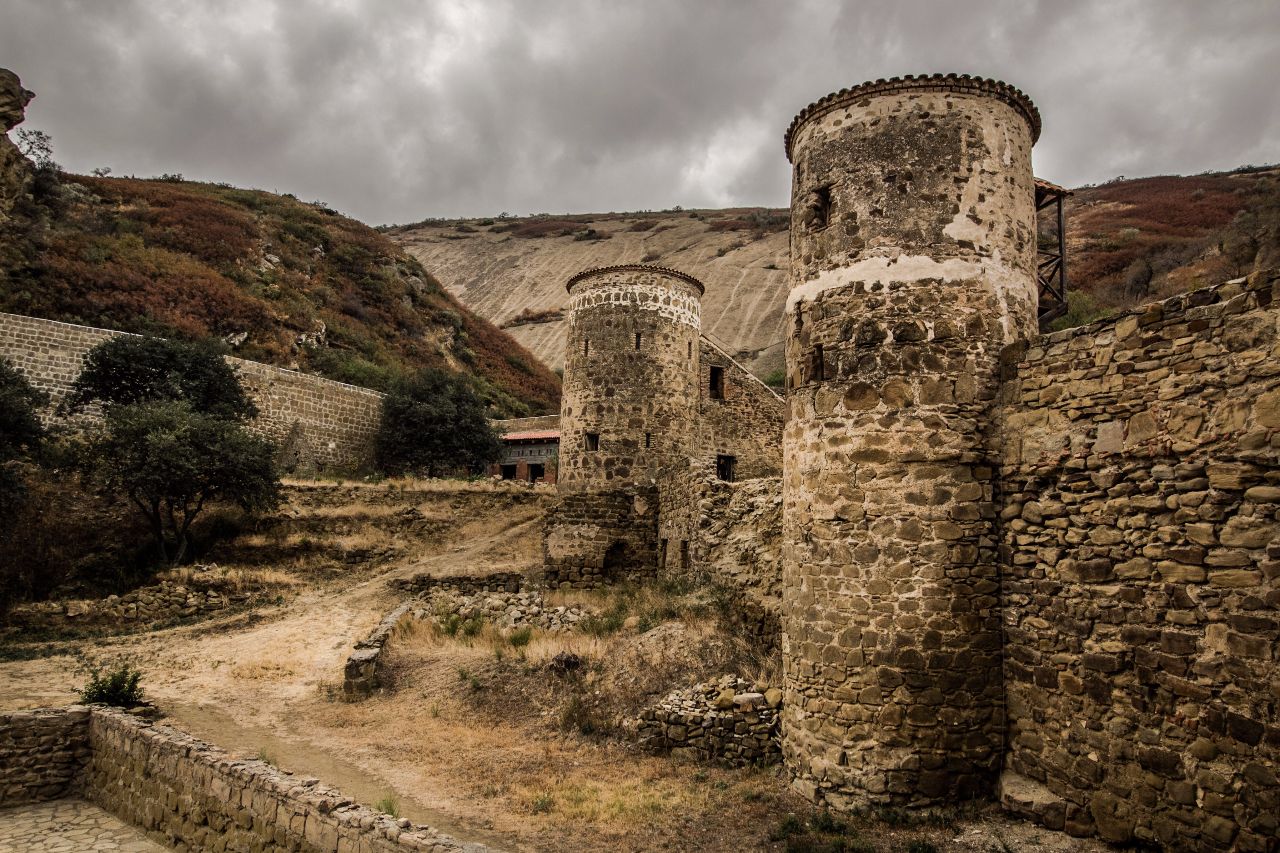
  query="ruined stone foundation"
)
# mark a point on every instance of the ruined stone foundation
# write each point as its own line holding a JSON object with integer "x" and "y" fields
{"x": 912, "y": 270}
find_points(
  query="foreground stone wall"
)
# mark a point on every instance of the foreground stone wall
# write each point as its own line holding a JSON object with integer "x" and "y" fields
{"x": 731, "y": 722}
{"x": 317, "y": 422}
{"x": 192, "y": 796}
{"x": 1141, "y": 555}
{"x": 42, "y": 753}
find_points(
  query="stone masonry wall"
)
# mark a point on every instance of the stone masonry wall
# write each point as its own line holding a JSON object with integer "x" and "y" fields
{"x": 42, "y": 753}
{"x": 1141, "y": 559}
{"x": 191, "y": 796}
{"x": 595, "y": 537}
{"x": 745, "y": 424}
{"x": 317, "y": 422}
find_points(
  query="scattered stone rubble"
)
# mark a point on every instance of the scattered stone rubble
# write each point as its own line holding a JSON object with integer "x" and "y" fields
{"x": 508, "y": 610}
{"x": 729, "y": 721}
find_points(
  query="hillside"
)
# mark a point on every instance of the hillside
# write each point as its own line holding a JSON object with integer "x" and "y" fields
{"x": 279, "y": 280}
{"x": 513, "y": 271}
{"x": 1191, "y": 231}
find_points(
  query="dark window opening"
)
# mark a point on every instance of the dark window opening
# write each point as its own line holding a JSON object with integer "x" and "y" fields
{"x": 690, "y": 349}
{"x": 508, "y": 472}
{"x": 815, "y": 209}
{"x": 592, "y": 440}
{"x": 536, "y": 471}
{"x": 725, "y": 466}
{"x": 637, "y": 342}
{"x": 684, "y": 554}
{"x": 662, "y": 553}
{"x": 717, "y": 383}
{"x": 648, "y": 440}
{"x": 819, "y": 363}
{"x": 586, "y": 347}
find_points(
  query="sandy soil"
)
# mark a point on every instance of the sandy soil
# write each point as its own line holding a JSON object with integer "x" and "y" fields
{"x": 451, "y": 743}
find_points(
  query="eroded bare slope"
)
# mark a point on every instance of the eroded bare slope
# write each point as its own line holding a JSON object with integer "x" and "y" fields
{"x": 500, "y": 274}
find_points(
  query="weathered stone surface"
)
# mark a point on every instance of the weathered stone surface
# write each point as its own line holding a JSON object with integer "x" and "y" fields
{"x": 724, "y": 721}
{"x": 1157, "y": 722}
{"x": 902, "y": 202}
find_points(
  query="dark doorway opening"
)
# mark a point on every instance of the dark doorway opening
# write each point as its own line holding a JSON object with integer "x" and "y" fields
{"x": 725, "y": 467}
{"x": 536, "y": 471}
{"x": 616, "y": 559}
{"x": 508, "y": 472}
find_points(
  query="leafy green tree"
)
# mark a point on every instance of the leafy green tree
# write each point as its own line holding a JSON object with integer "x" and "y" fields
{"x": 20, "y": 429}
{"x": 126, "y": 369}
{"x": 21, "y": 434}
{"x": 434, "y": 423}
{"x": 171, "y": 461}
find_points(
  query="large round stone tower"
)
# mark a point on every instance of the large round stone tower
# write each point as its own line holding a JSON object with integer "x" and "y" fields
{"x": 912, "y": 269}
{"x": 630, "y": 375}
{"x": 628, "y": 411}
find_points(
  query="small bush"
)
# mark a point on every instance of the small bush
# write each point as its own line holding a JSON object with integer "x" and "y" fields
{"x": 390, "y": 804}
{"x": 521, "y": 638}
{"x": 542, "y": 804}
{"x": 117, "y": 687}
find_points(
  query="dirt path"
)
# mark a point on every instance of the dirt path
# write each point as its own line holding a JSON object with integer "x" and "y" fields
{"x": 241, "y": 682}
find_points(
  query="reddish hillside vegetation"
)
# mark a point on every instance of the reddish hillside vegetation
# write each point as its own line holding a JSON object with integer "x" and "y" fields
{"x": 1131, "y": 241}
{"x": 282, "y": 281}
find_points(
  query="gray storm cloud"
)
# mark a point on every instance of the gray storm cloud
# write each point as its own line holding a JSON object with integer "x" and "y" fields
{"x": 393, "y": 110}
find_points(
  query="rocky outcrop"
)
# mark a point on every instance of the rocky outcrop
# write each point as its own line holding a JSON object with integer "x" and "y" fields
{"x": 15, "y": 170}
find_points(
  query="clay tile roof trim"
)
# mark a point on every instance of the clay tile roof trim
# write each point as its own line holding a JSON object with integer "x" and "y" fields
{"x": 594, "y": 271}
{"x": 1046, "y": 186}
{"x": 542, "y": 434}
{"x": 963, "y": 83}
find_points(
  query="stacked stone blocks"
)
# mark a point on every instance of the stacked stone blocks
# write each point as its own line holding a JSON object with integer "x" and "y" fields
{"x": 1141, "y": 556}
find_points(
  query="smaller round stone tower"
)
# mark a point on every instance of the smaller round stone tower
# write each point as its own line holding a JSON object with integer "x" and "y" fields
{"x": 912, "y": 269}
{"x": 628, "y": 411}
{"x": 630, "y": 375}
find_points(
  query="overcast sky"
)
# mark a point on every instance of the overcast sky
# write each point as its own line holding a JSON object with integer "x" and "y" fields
{"x": 392, "y": 110}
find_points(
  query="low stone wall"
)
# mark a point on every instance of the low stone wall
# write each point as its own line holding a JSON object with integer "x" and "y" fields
{"x": 160, "y": 602}
{"x": 317, "y": 422}
{"x": 729, "y": 722}
{"x": 464, "y": 584}
{"x": 42, "y": 753}
{"x": 192, "y": 796}
{"x": 363, "y": 671}
{"x": 186, "y": 794}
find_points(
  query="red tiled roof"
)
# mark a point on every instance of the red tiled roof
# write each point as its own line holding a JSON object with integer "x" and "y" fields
{"x": 541, "y": 434}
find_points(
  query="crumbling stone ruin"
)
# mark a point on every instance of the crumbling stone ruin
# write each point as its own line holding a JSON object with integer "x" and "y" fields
{"x": 1038, "y": 566}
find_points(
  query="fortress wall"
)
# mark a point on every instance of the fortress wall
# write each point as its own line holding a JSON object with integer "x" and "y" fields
{"x": 746, "y": 424}
{"x": 41, "y": 753}
{"x": 189, "y": 795}
{"x": 1140, "y": 544}
{"x": 318, "y": 422}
